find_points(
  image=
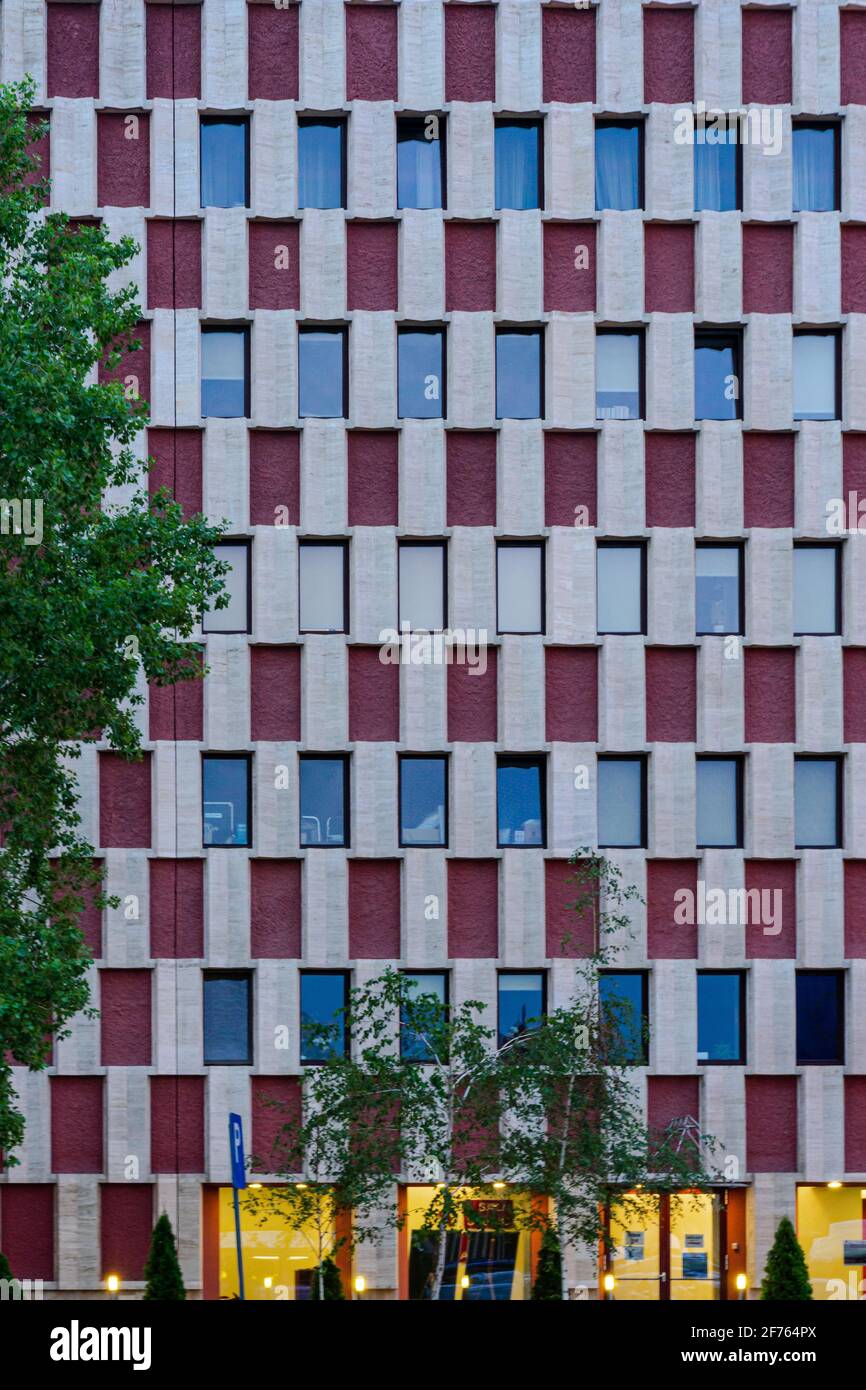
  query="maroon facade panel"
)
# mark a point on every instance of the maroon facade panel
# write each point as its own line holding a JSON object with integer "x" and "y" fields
{"x": 269, "y": 1119}
{"x": 374, "y": 909}
{"x": 173, "y": 51}
{"x": 76, "y": 1124}
{"x": 771, "y": 928}
{"x": 177, "y": 1124}
{"x": 472, "y": 701}
{"x": 371, "y": 265}
{"x": 854, "y": 699}
{"x": 671, "y": 694}
{"x": 122, "y": 160}
{"x": 568, "y": 54}
{"x": 373, "y": 477}
{"x": 174, "y": 263}
{"x": 855, "y": 908}
{"x": 854, "y": 471}
{"x": 275, "y": 259}
{"x": 569, "y": 267}
{"x": 125, "y": 1018}
{"x": 177, "y": 909}
{"x": 27, "y": 1228}
{"x": 668, "y": 55}
{"x": 40, "y": 149}
{"x": 126, "y": 1225}
{"x": 669, "y": 474}
{"x": 275, "y": 694}
{"x": 133, "y": 369}
{"x": 767, "y": 56}
{"x": 771, "y": 1124}
{"x": 471, "y": 477}
{"x": 371, "y": 53}
{"x": 73, "y": 50}
{"x": 768, "y": 268}
{"x": 470, "y": 266}
{"x": 853, "y": 260}
{"x": 473, "y": 908}
{"x": 124, "y": 802}
{"x": 672, "y": 932}
{"x": 275, "y": 909}
{"x": 669, "y": 262}
{"x": 470, "y": 52}
{"x": 855, "y": 1123}
{"x": 768, "y": 478}
{"x": 272, "y": 35}
{"x": 567, "y": 932}
{"x": 275, "y": 477}
{"x": 177, "y": 711}
{"x": 671, "y": 1098}
{"x": 177, "y": 466}
{"x": 571, "y": 694}
{"x": 570, "y": 478}
{"x": 770, "y": 691}
{"x": 852, "y": 60}
{"x": 90, "y": 921}
{"x": 374, "y": 697}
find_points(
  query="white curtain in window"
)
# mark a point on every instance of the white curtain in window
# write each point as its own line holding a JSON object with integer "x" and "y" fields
{"x": 617, "y": 374}
{"x": 233, "y": 618}
{"x": 322, "y": 588}
{"x": 421, "y": 586}
{"x": 618, "y": 574}
{"x": 518, "y": 588}
{"x": 814, "y": 376}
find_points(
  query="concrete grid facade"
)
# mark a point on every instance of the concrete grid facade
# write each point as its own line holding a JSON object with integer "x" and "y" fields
{"x": 128, "y": 1121}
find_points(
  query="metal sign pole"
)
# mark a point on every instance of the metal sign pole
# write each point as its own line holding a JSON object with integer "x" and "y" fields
{"x": 239, "y": 1180}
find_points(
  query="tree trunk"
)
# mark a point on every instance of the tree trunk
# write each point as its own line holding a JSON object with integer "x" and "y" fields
{"x": 563, "y": 1271}
{"x": 440, "y": 1255}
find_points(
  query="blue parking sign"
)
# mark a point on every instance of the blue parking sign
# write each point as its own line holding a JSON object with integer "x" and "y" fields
{"x": 236, "y": 1150}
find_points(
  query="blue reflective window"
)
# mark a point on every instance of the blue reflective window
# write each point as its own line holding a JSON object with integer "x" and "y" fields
{"x": 428, "y": 993}
{"x": 420, "y": 374}
{"x": 521, "y": 1004}
{"x": 323, "y": 1022}
{"x": 717, "y": 155}
{"x": 518, "y": 376}
{"x": 815, "y": 385}
{"x": 717, "y": 588}
{"x": 720, "y": 1017}
{"x": 815, "y": 158}
{"x": 518, "y": 164}
{"x": 423, "y": 801}
{"x": 617, "y": 376}
{"x": 718, "y": 803}
{"x": 224, "y": 353}
{"x": 618, "y": 148}
{"x": 623, "y": 1004}
{"x": 820, "y": 1016}
{"x": 321, "y": 373}
{"x": 324, "y": 794}
{"x": 520, "y": 796}
{"x": 226, "y": 801}
{"x": 621, "y": 802}
{"x": 224, "y": 151}
{"x": 420, "y": 159}
{"x": 227, "y": 1019}
{"x": 717, "y": 376}
{"x": 817, "y": 785}
{"x": 321, "y": 162}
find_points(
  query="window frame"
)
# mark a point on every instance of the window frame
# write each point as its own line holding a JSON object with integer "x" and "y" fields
{"x": 720, "y": 336}
{"x": 627, "y": 330}
{"x": 511, "y": 543}
{"x": 740, "y": 547}
{"x": 431, "y": 330}
{"x": 219, "y": 974}
{"x": 643, "y": 760}
{"x": 822, "y": 332}
{"x": 345, "y": 975}
{"x": 444, "y": 975}
{"x": 623, "y": 122}
{"x": 425, "y": 543}
{"x": 333, "y": 542}
{"x": 738, "y": 162}
{"x": 538, "y": 760}
{"x": 627, "y": 543}
{"x": 500, "y": 121}
{"x": 346, "y": 760}
{"x": 839, "y": 974}
{"x": 404, "y": 118}
{"x": 224, "y": 758}
{"x": 427, "y": 757}
{"x": 839, "y": 760}
{"x": 823, "y": 545}
{"x": 741, "y": 1060}
{"x": 335, "y": 328}
{"x": 241, "y": 543}
{"x": 212, "y": 119}
{"x": 523, "y": 331}
{"x": 516, "y": 970}
{"x": 645, "y": 1035}
{"x": 244, "y": 330}
{"x": 820, "y": 123}
{"x": 739, "y": 761}
{"x": 312, "y": 118}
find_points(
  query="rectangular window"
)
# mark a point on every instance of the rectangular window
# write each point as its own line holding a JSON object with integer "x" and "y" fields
{"x": 618, "y": 165}
{"x": 324, "y": 797}
{"x": 422, "y": 583}
{"x": 421, "y": 373}
{"x": 820, "y": 1017}
{"x": 227, "y": 799}
{"x": 323, "y": 586}
{"x": 235, "y": 617}
{"x": 521, "y": 801}
{"x": 321, "y": 162}
{"x": 423, "y": 801}
{"x": 718, "y": 588}
{"x": 224, "y": 145}
{"x": 621, "y": 807}
{"x": 228, "y": 1018}
{"x": 718, "y": 165}
{"x": 818, "y": 803}
{"x": 623, "y": 996}
{"x": 519, "y": 164}
{"x": 620, "y": 587}
{"x": 521, "y": 1003}
{"x": 817, "y": 376}
{"x": 817, "y": 589}
{"x": 520, "y": 586}
{"x": 719, "y": 803}
{"x": 816, "y": 166}
{"x": 324, "y": 1001}
{"x": 427, "y": 993}
{"x": 323, "y": 373}
{"x": 225, "y": 372}
{"x": 420, "y": 161}
{"x": 721, "y": 1016}
{"x": 619, "y": 375}
{"x": 519, "y": 374}
{"x": 718, "y": 376}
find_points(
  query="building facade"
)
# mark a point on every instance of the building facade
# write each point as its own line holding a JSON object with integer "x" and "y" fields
{"x": 479, "y": 317}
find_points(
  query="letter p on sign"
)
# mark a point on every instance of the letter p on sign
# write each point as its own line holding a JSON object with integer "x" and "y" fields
{"x": 236, "y": 1150}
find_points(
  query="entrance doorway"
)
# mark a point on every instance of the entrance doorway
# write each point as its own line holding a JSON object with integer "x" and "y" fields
{"x": 683, "y": 1247}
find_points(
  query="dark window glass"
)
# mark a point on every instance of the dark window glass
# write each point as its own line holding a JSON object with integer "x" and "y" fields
{"x": 519, "y": 365}
{"x": 717, "y": 376}
{"x": 420, "y": 161}
{"x": 720, "y": 1017}
{"x": 427, "y": 991}
{"x": 420, "y": 374}
{"x": 817, "y": 816}
{"x": 321, "y": 162}
{"x": 623, "y": 996}
{"x": 820, "y": 1016}
{"x": 520, "y": 796}
{"x": 227, "y": 1019}
{"x": 816, "y": 589}
{"x": 816, "y": 184}
{"x": 521, "y": 1004}
{"x": 224, "y": 372}
{"x": 719, "y": 793}
{"x": 621, "y": 802}
{"x": 620, "y": 580}
{"x": 618, "y": 149}
{"x": 717, "y": 160}
{"x": 226, "y": 801}
{"x": 322, "y": 373}
{"x": 718, "y": 605}
{"x": 322, "y": 583}
{"x": 224, "y": 148}
{"x": 815, "y": 373}
{"x": 323, "y": 1022}
{"x": 518, "y": 164}
{"x": 618, "y": 376}
{"x": 324, "y": 796}
{"x": 520, "y": 587}
{"x": 423, "y": 801}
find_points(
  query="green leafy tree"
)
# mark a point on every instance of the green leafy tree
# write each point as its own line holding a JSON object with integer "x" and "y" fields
{"x": 99, "y": 584}
{"x": 327, "y": 1282}
{"x": 548, "y": 1273}
{"x": 786, "y": 1278}
{"x": 162, "y": 1271}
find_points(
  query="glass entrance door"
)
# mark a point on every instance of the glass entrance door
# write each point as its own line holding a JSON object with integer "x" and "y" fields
{"x": 635, "y": 1256}
{"x": 668, "y": 1248}
{"x": 695, "y": 1245}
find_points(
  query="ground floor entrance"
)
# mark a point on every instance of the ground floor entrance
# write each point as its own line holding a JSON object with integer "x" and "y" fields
{"x": 487, "y": 1257}
{"x": 687, "y": 1246}
{"x": 831, "y": 1228}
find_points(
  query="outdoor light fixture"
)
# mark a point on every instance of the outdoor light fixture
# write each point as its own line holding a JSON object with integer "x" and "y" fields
{"x": 609, "y": 1284}
{"x": 464, "y": 1282}
{"x": 301, "y": 1186}
{"x": 254, "y": 1186}
{"x": 834, "y": 1184}
{"x": 742, "y": 1283}
{"x": 112, "y": 1284}
{"x": 500, "y": 1185}
{"x": 360, "y": 1284}
{"x": 268, "y": 1282}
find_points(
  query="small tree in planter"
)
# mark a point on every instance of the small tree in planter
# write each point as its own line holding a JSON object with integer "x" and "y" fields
{"x": 548, "y": 1273}
{"x": 327, "y": 1282}
{"x": 786, "y": 1278}
{"x": 162, "y": 1271}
